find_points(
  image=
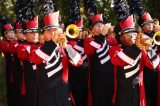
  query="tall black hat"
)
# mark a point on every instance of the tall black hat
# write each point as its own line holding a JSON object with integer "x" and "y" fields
{"x": 50, "y": 16}
{"x": 5, "y": 24}
{"x": 74, "y": 13}
{"x": 137, "y": 6}
{"x": 95, "y": 17}
{"x": 125, "y": 21}
{"x": 30, "y": 17}
{"x": 19, "y": 10}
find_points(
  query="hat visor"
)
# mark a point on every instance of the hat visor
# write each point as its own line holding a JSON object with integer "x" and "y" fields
{"x": 19, "y": 30}
{"x": 147, "y": 22}
{"x": 31, "y": 30}
{"x": 8, "y": 31}
{"x": 100, "y": 21}
{"x": 49, "y": 27}
{"x": 129, "y": 30}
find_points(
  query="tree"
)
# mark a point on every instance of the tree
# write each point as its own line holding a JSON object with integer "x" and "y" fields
{"x": 7, "y": 8}
{"x": 153, "y": 7}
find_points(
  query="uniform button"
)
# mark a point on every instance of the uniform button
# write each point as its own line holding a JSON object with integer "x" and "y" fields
{"x": 69, "y": 99}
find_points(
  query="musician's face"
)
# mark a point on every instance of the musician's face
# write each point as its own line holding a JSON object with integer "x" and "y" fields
{"x": 48, "y": 33}
{"x": 32, "y": 37}
{"x": 128, "y": 38}
{"x": 10, "y": 35}
{"x": 148, "y": 27}
{"x": 20, "y": 36}
{"x": 97, "y": 28}
{"x": 52, "y": 34}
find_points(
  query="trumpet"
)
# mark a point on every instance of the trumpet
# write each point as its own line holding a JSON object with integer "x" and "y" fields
{"x": 156, "y": 38}
{"x": 148, "y": 41}
{"x": 61, "y": 40}
{"x": 72, "y": 31}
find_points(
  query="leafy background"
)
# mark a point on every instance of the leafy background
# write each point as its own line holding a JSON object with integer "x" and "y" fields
{"x": 7, "y": 9}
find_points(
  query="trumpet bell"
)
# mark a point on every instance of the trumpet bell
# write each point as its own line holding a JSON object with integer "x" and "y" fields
{"x": 72, "y": 31}
{"x": 156, "y": 38}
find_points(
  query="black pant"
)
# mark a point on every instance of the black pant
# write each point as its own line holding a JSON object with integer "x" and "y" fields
{"x": 127, "y": 95}
{"x": 150, "y": 83}
{"x": 55, "y": 96}
{"x": 102, "y": 86}
{"x": 78, "y": 81}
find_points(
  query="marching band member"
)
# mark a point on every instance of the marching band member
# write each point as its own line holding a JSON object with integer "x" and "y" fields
{"x": 78, "y": 76}
{"x": 52, "y": 60}
{"x": 29, "y": 69}
{"x": 145, "y": 21}
{"x": 150, "y": 75}
{"x": 129, "y": 59}
{"x": 156, "y": 26}
{"x": 29, "y": 76}
{"x": 7, "y": 32}
{"x": 18, "y": 63}
{"x": 100, "y": 67}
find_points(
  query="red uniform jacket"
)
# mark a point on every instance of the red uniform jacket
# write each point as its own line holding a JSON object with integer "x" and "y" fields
{"x": 4, "y": 46}
{"x": 49, "y": 55}
{"x": 96, "y": 48}
{"x": 129, "y": 62}
{"x": 23, "y": 52}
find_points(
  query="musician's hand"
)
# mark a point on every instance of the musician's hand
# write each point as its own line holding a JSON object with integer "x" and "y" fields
{"x": 106, "y": 28}
{"x": 84, "y": 34}
{"x": 56, "y": 34}
{"x": 139, "y": 41}
{"x": 90, "y": 34}
{"x": 147, "y": 42}
{"x": 62, "y": 40}
{"x": 111, "y": 31}
{"x": 156, "y": 28}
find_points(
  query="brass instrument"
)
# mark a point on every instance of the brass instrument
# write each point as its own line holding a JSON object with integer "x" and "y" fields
{"x": 147, "y": 41}
{"x": 155, "y": 22}
{"x": 143, "y": 41}
{"x": 61, "y": 40}
{"x": 72, "y": 31}
{"x": 156, "y": 38}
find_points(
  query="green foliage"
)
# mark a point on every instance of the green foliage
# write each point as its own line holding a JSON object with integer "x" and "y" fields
{"x": 106, "y": 10}
{"x": 153, "y": 6}
{"x": 7, "y": 8}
